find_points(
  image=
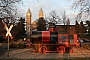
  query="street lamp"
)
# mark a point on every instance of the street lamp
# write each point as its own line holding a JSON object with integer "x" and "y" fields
{"x": 87, "y": 30}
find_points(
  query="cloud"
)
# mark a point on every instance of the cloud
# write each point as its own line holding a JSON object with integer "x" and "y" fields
{"x": 47, "y": 5}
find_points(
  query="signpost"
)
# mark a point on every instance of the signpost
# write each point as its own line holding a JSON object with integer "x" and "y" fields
{"x": 8, "y": 34}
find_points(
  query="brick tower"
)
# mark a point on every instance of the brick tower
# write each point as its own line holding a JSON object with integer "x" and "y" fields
{"x": 28, "y": 24}
{"x": 40, "y": 15}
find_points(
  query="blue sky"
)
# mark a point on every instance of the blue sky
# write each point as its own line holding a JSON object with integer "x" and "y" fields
{"x": 47, "y": 5}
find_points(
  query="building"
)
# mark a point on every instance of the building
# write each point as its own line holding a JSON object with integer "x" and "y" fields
{"x": 28, "y": 23}
{"x": 33, "y": 25}
{"x": 40, "y": 15}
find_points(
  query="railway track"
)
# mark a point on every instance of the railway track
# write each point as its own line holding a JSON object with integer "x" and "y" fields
{"x": 29, "y": 54}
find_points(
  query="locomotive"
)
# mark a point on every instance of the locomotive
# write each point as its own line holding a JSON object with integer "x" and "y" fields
{"x": 59, "y": 38}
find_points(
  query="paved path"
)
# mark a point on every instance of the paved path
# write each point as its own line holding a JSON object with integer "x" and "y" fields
{"x": 28, "y": 54}
{"x": 3, "y": 48}
{"x": 80, "y": 52}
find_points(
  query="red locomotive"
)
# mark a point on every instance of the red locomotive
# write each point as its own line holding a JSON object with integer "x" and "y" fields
{"x": 59, "y": 38}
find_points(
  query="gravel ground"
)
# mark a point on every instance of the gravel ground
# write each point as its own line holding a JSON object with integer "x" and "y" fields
{"x": 27, "y": 53}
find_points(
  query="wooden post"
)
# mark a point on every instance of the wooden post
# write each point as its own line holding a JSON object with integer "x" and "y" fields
{"x": 8, "y": 45}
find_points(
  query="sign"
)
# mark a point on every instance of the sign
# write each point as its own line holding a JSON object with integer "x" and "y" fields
{"x": 8, "y": 34}
{"x": 8, "y": 31}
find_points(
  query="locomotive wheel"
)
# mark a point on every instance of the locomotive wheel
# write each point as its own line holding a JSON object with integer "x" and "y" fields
{"x": 61, "y": 49}
{"x": 43, "y": 49}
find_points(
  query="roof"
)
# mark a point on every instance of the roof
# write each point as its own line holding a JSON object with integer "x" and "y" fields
{"x": 29, "y": 12}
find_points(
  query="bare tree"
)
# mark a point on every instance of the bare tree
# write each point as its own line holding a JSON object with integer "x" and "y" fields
{"x": 64, "y": 18}
{"x": 8, "y": 10}
{"x": 83, "y": 7}
{"x": 68, "y": 21}
{"x": 53, "y": 17}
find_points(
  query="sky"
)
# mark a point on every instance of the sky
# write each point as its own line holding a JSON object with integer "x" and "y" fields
{"x": 47, "y": 6}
